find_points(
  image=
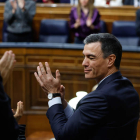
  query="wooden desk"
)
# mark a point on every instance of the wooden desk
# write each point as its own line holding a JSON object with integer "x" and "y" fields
{"x": 61, "y": 11}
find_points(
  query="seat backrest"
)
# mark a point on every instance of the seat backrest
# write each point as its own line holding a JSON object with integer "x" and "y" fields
{"x": 54, "y": 31}
{"x": 4, "y": 32}
{"x": 64, "y": 1}
{"x": 124, "y": 29}
{"x": 103, "y": 27}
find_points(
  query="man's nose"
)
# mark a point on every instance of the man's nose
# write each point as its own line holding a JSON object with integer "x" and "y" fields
{"x": 85, "y": 62}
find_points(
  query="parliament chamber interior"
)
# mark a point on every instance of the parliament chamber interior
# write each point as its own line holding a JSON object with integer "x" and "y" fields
{"x": 65, "y": 56}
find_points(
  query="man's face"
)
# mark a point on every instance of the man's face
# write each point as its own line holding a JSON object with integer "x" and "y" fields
{"x": 95, "y": 66}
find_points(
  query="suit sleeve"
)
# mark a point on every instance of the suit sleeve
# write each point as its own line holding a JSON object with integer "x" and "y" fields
{"x": 9, "y": 127}
{"x": 91, "y": 112}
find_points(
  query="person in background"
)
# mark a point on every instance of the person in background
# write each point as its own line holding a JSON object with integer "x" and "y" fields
{"x": 132, "y": 2}
{"x": 84, "y": 20}
{"x": 138, "y": 24}
{"x": 19, "y": 15}
{"x": 10, "y": 130}
{"x": 108, "y": 2}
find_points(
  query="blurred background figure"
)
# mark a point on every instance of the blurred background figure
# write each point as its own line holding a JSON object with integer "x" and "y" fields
{"x": 19, "y": 16}
{"x": 108, "y": 2}
{"x": 84, "y": 20}
{"x": 132, "y": 2}
{"x": 138, "y": 24}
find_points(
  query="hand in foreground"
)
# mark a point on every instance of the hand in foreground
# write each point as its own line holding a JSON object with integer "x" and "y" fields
{"x": 6, "y": 65}
{"x": 19, "y": 111}
{"x": 44, "y": 77}
{"x": 62, "y": 92}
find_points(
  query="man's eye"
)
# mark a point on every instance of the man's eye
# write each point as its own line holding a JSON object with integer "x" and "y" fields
{"x": 91, "y": 58}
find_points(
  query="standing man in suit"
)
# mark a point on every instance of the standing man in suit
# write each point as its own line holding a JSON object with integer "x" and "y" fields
{"x": 111, "y": 112}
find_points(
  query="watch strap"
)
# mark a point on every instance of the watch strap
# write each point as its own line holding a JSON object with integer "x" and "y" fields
{"x": 56, "y": 95}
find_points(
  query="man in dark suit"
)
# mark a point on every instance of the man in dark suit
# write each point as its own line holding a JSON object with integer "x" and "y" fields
{"x": 111, "y": 112}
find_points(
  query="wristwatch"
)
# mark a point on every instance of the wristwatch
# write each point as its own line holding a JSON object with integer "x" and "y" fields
{"x": 53, "y": 95}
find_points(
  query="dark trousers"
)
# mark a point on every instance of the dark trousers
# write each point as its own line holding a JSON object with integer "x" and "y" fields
{"x": 22, "y": 37}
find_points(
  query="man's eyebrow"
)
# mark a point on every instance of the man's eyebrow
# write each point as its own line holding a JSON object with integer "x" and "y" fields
{"x": 90, "y": 55}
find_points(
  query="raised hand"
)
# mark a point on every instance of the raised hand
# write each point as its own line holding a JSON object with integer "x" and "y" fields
{"x": 21, "y": 4}
{"x": 7, "y": 63}
{"x": 77, "y": 23}
{"x": 89, "y": 23}
{"x": 19, "y": 111}
{"x": 14, "y": 5}
{"x": 44, "y": 77}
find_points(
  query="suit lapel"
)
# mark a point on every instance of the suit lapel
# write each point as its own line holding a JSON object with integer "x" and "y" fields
{"x": 110, "y": 78}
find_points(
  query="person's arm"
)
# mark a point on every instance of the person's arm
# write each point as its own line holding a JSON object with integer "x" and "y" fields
{"x": 89, "y": 115}
{"x": 91, "y": 112}
{"x": 10, "y": 128}
{"x": 9, "y": 13}
{"x": 74, "y": 22}
{"x": 96, "y": 21}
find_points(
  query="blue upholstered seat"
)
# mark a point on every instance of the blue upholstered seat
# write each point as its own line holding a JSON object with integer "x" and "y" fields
{"x": 125, "y": 31}
{"x": 64, "y": 1}
{"x": 56, "y": 31}
{"x": 103, "y": 27}
{"x": 4, "y": 32}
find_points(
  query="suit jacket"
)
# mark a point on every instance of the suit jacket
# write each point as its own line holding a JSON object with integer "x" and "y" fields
{"x": 111, "y": 112}
{"x": 128, "y": 2}
{"x": 9, "y": 128}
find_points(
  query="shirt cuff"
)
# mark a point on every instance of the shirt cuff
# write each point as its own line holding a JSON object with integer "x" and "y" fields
{"x": 56, "y": 100}
{"x": 68, "y": 111}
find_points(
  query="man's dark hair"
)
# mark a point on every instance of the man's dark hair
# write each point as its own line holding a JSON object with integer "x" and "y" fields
{"x": 109, "y": 45}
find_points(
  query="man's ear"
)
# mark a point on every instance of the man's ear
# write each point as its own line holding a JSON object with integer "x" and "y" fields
{"x": 111, "y": 60}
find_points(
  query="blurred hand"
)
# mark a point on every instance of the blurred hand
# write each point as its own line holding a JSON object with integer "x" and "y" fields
{"x": 62, "y": 92}
{"x": 19, "y": 111}
{"x": 14, "y": 5}
{"x": 7, "y": 63}
{"x": 44, "y": 77}
{"x": 21, "y": 4}
{"x": 77, "y": 23}
{"x": 89, "y": 22}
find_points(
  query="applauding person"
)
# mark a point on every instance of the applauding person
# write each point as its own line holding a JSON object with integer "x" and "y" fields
{"x": 19, "y": 15}
{"x": 9, "y": 121}
{"x": 84, "y": 20}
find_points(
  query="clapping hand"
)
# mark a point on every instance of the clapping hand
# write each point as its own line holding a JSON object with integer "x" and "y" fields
{"x": 14, "y": 5}
{"x": 19, "y": 111}
{"x": 77, "y": 23}
{"x": 21, "y": 4}
{"x": 44, "y": 77}
{"x": 7, "y": 63}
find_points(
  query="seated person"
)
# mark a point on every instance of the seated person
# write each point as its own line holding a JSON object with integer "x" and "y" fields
{"x": 132, "y": 2}
{"x": 84, "y": 20}
{"x": 108, "y": 2}
{"x": 10, "y": 129}
{"x": 19, "y": 15}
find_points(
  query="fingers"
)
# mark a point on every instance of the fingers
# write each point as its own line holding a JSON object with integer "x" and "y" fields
{"x": 48, "y": 68}
{"x": 38, "y": 78}
{"x": 57, "y": 75}
{"x": 42, "y": 68}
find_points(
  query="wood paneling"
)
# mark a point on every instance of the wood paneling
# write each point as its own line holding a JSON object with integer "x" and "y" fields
{"x": 62, "y": 11}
